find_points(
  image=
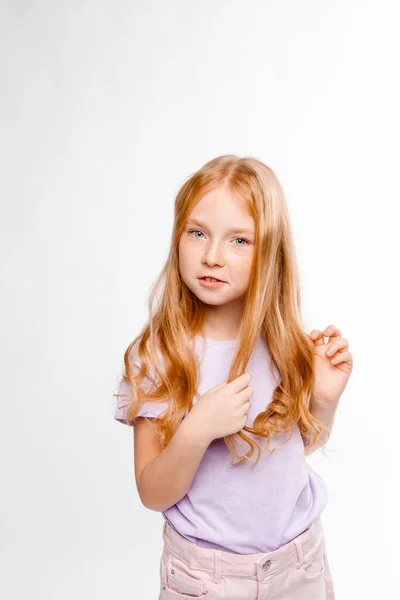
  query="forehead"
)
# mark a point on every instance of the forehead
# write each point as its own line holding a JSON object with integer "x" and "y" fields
{"x": 221, "y": 210}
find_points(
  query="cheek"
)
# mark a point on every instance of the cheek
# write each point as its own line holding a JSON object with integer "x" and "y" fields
{"x": 243, "y": 264}
{"x": 241, "y": 272}
{"x": 187, "y": 257}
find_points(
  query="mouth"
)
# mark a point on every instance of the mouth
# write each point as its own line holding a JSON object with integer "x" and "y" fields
{"x": 212, "y": 279}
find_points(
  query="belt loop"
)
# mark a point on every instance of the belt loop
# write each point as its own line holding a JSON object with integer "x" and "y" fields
{"x": 217, "y": 566}
{"x": 299, "y": 550}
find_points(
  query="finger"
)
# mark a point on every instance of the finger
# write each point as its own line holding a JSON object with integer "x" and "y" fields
{"x": 317, "y": 337}
{"x": 240, "y": 382}
{"x": 339, "y": 344}
{"x": 332, "y": 332}
{"x": 342, "y": 357}
{"x": 243, "y": 396}
{"x": 246, "y": 407}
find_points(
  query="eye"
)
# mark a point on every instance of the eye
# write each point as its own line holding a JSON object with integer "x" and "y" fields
{"x": 198, "y": 231}
{"x": 195, "y": 231}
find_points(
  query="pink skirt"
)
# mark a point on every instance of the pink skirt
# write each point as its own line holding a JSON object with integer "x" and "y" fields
{"x": 299, "y": 570}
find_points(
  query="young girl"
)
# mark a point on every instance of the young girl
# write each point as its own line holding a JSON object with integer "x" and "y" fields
{"x": 222, "y": 369}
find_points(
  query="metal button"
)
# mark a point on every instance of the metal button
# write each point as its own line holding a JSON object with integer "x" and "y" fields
{"x": 172, "y": 571}
{"x": 266, "y": 565}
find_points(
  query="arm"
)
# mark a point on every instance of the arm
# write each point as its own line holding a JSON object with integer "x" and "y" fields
{"x": 168, "y": 477}
{"x": 325, "y": 412}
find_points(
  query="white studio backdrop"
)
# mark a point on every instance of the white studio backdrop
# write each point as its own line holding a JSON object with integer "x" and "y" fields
{"x": 106, "y": 107}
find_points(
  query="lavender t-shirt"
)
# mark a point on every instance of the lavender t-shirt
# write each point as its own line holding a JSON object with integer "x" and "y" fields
{"x": 243, "y": 509}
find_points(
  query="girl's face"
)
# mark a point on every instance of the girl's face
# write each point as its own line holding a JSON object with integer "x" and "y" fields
{"x": 218, "y": 241}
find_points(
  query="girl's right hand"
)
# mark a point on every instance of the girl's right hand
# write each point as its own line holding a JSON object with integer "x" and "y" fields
{"x": 223, "y": 409}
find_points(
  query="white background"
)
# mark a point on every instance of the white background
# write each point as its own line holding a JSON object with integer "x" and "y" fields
{"x": 106, "y": 107}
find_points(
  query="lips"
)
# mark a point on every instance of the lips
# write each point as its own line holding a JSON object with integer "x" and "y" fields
{"x": 212, "y": 278}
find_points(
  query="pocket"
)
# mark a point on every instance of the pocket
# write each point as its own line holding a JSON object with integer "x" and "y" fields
{"x": 313, "y": 569}
{"x": 178, "y": 580}
{"x": 313, "y": 563}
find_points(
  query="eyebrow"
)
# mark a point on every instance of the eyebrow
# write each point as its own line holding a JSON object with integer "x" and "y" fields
{"x": 234, "y": 230}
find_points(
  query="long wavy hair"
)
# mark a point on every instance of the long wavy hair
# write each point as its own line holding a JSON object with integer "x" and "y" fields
{"x": 163, "y": 354}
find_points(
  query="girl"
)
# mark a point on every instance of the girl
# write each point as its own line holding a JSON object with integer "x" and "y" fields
{"x": 222, "y": 368}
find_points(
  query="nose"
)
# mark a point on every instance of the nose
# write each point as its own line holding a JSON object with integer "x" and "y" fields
{"x": 213, "y": 255}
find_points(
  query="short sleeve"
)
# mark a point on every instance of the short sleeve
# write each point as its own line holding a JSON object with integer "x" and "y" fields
{"x": 146, "y": 409}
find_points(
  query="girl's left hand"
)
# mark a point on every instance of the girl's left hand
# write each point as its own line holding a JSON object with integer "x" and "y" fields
{"x": 331, "y": 371}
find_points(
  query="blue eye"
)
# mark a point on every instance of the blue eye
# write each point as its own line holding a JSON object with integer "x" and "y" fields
{"x": 195, "y": 231}
{"x": 198, "y": 231}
